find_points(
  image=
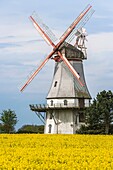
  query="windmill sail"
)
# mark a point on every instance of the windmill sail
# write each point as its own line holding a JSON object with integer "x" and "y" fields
{"x": 79, "y": 22}
{"x": 49, "y": 37}
{"x": 44, "y": 27}
{"x": 32, "y": 76}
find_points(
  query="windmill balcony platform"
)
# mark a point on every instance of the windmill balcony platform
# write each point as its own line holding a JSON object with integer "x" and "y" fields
{"x": 57, "y": 106}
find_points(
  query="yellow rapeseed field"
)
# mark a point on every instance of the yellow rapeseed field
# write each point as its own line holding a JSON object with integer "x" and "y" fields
{"x": 56, "y": 152}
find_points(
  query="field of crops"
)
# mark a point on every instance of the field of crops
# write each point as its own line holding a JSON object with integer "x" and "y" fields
{"x": 56, "y": 152}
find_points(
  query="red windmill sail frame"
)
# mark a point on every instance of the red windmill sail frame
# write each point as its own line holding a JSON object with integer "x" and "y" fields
{"x": 56, "y": 47}
{"x": 42, "y": 33}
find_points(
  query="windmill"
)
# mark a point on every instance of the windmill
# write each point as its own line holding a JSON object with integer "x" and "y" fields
{"x": 68, "y": 94}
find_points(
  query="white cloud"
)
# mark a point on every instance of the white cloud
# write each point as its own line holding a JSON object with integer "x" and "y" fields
{"x": 101, "y": 42}
{"x": 99, "y": 66}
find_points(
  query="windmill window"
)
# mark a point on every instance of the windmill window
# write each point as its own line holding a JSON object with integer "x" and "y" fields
{"x": 65, "y": 102}
{"x": 51, "y": 102}
{"x": 55, "y": 84}
{"x": 50, "y": 127}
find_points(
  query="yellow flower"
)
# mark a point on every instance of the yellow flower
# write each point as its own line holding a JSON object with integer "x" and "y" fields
{"x": 56, "y": 152}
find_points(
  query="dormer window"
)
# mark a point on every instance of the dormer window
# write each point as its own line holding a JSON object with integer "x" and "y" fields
{"x": 65, "y": 102}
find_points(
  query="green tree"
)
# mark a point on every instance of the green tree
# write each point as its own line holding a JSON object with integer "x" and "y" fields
{"x": 105, "y": 108}
{"x": 31, "y": 129}
{"x": 8, "y": 121}
{"x": 99, "y": 116}
{"x": 93, "y": 116}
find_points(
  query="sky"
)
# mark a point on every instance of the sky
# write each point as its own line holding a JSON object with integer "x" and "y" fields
{"x": 22, "y": 49}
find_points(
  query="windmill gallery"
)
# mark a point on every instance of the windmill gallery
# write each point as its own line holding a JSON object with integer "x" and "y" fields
{"x": 68, "y": 94}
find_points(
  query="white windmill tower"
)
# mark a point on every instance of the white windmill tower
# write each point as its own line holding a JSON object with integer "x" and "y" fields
{"x": 68, "y": 94}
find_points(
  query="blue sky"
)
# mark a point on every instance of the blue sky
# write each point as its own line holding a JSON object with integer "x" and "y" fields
{"x": 22, "y": 49}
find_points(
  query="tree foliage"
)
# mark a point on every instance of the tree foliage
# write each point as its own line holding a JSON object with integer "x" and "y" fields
{"x": 99, "y": 116}
{"x": 105, "y": 108}
{"x": 31, "y": 129}
{"x": 8, "y": 121}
